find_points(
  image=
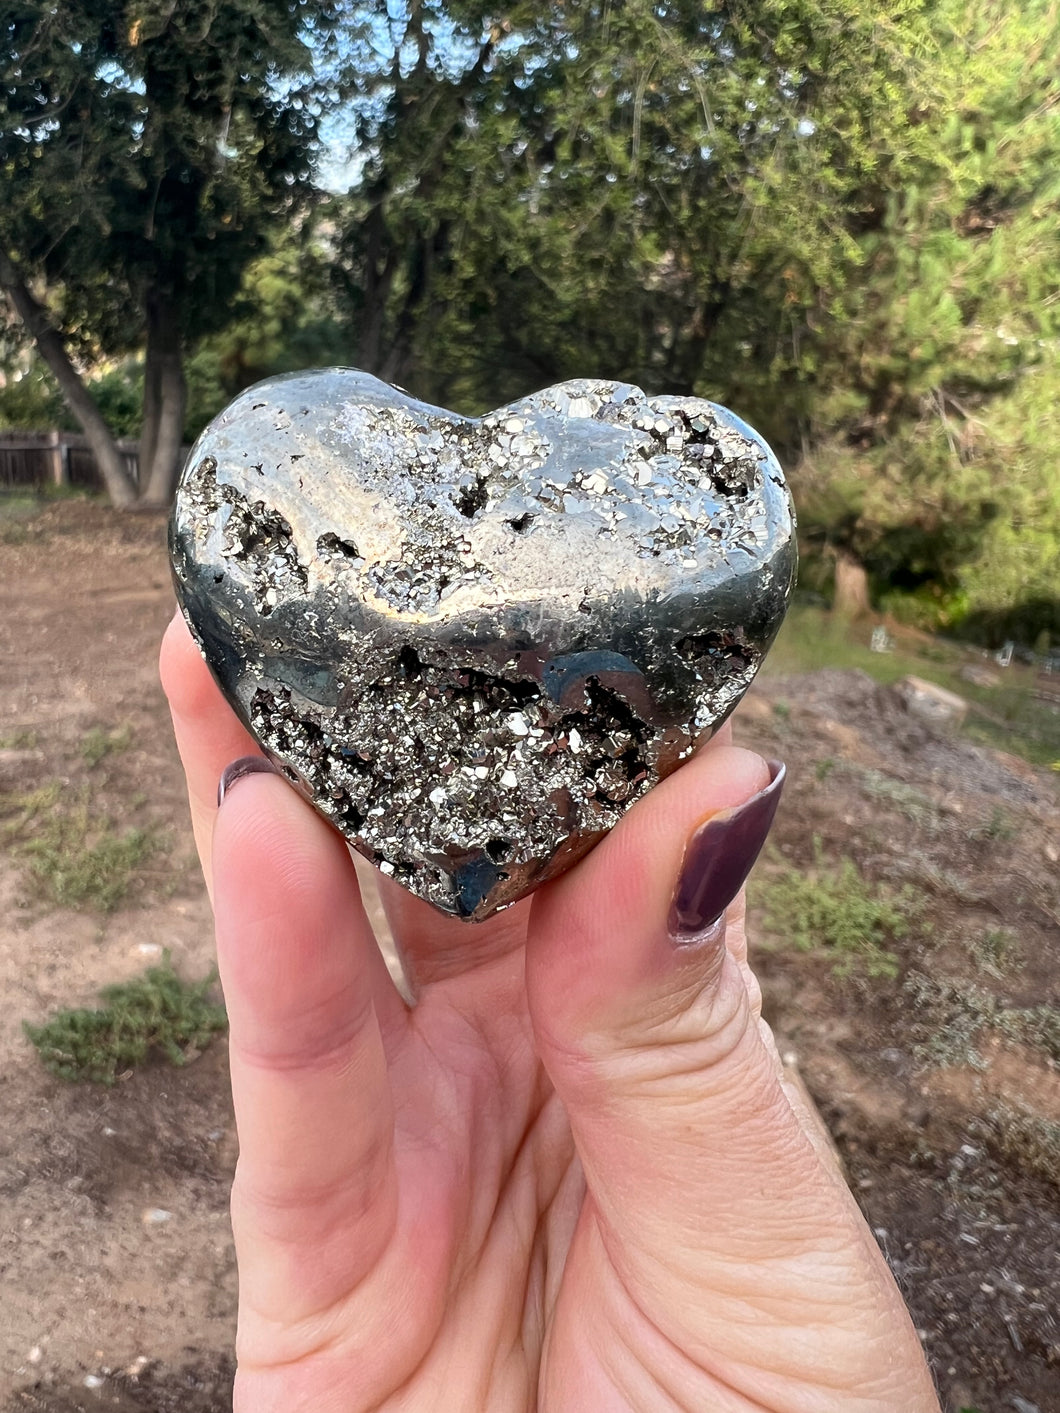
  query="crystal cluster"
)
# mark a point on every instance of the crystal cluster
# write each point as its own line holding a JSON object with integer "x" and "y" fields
{"x": 473, "y": 643}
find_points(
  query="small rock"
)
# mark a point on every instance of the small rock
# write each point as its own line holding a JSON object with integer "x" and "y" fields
{"x": 979, "y": 676}
{"x": 94, "y": 1381}
{"x": 156, "y": 1216}
{"x": 35, "y": 1355}
{"x": 1024, "y": 1405}
{"x": 931, "y": 703}
{"x": 136, "y": 1368}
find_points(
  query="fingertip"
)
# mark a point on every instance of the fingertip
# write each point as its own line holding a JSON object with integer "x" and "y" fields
{"x": 186, "y": 680}
{"x": 636, "y": 865}
{"x": 271, "y": 848}
{"x": 207, "y": 730}
{"x": 173, "y": 654}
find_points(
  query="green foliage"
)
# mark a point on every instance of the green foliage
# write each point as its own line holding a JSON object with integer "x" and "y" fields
{"x": 936, "y": 418}
{"x": 907, "y": 800}
{"x": 957, "y": 1015}
{"x": 659, "y": 192}
{"x": 146, "y": 154}
{"x": 838, "y": 913}
{"x": 75, "y": 853}
{"x": 994, "y": 950}
{"x": 99, "y": 743}
{"x": 119, "y": 394}
{"x": 837, "y": 220}
{"x": 193, "y": 129}
{"x": 1029, "y": 1141}
{"x": 30, "y": 401}
{"x": 282, "y": 319}
{"x": 22, "y": 740}
{"x": 155, "y": 1013}
{"x": 998, "y": 828}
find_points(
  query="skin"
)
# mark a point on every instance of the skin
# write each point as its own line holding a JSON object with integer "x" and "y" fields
{"x": 570, "y": 1178}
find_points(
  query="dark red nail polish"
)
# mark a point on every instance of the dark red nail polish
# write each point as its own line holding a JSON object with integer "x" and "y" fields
{"x": 237, "y": 769}
{"x": 718, "y": 858}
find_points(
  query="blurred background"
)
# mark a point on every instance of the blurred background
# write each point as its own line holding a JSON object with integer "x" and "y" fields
{"x": 839, "y": 219}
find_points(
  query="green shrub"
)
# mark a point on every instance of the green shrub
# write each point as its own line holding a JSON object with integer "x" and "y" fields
{"x": 839, "y": 913}
{"x": 156, "y": 1013}
{"x": 75, "y": 853}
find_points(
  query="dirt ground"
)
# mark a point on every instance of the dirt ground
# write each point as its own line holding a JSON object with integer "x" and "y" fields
{"x": 117, "y": 1276}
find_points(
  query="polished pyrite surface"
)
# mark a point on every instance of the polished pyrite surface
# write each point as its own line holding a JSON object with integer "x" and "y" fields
{"x": 473, "y": 643}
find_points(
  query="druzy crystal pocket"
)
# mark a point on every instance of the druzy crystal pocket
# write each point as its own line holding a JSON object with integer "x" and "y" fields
{"x": 473, "y": 643}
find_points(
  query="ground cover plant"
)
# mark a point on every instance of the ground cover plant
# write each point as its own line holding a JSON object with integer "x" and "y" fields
{"x": 835, "y": 911}
{"x": 154, "y": 1014}
{"x": 75, "y": 853}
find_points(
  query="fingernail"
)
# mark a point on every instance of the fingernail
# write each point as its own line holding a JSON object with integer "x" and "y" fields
{"x": 718, "y": 858}
{"x": 237, "y": 769}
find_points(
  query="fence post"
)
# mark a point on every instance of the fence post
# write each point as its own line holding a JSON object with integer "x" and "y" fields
{"x": 59, "y": 461}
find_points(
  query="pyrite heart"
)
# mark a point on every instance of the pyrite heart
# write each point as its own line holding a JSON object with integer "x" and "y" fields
{"x": 474, "y": 643}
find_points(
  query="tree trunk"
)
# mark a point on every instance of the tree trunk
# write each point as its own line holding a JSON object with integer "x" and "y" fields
{"x": 851, "y": 598}
{"x": 378, "y": 279}
{"x": 119, "y": 484}
{"x": 165, "y": 395}
{"x": 152, "y": 410}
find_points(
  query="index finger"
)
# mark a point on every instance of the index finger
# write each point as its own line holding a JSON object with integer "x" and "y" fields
{"x": 208, "y": 732}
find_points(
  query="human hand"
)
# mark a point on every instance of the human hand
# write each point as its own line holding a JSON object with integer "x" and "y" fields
{"x": 570, "y": 1178}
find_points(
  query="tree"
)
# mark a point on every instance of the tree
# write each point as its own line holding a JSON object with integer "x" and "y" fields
{"x": 657, "y": 190}
{"x": 840, "y": 221}
{"x": 145, "y": 153}
{"x": 281, "y": 319}
{"x": 937, "y": 368}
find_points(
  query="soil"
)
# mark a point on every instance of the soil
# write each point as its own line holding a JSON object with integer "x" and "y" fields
{"x": 117, "y": 1275}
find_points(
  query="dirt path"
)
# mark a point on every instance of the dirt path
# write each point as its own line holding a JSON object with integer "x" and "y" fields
{"x": 117, "y": 1280}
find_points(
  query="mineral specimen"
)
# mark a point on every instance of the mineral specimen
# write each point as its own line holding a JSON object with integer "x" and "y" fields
{"x": 473, "y": 643}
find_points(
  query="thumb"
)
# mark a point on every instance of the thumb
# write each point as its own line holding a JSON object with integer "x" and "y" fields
{"x": 628, "y": 951}
{"x": 709, "y": 1200}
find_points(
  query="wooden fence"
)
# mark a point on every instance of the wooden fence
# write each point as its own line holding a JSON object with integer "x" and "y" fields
{"x": 31, "y": 459}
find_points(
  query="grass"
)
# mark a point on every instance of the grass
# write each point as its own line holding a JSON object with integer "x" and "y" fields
{"x": 1007, "y": 718}
{"x": 20, "y": 505}
{"x": 913, "y": 803}
{"x": 76, "y": 854}
{"x": 157, "y": 1013}
{"x": 23, "y": 740}
{"x": 999, "y": 828}
{"x": 993, "y": 950}
{"x": 840, "y": 914}
{"x": 1029, "y": 1141}
{"x": 16, "y": 507}
{"x": 884, "y": 789}
{"x": 98, "y": 744}
{"x": 956, "y": 1015}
